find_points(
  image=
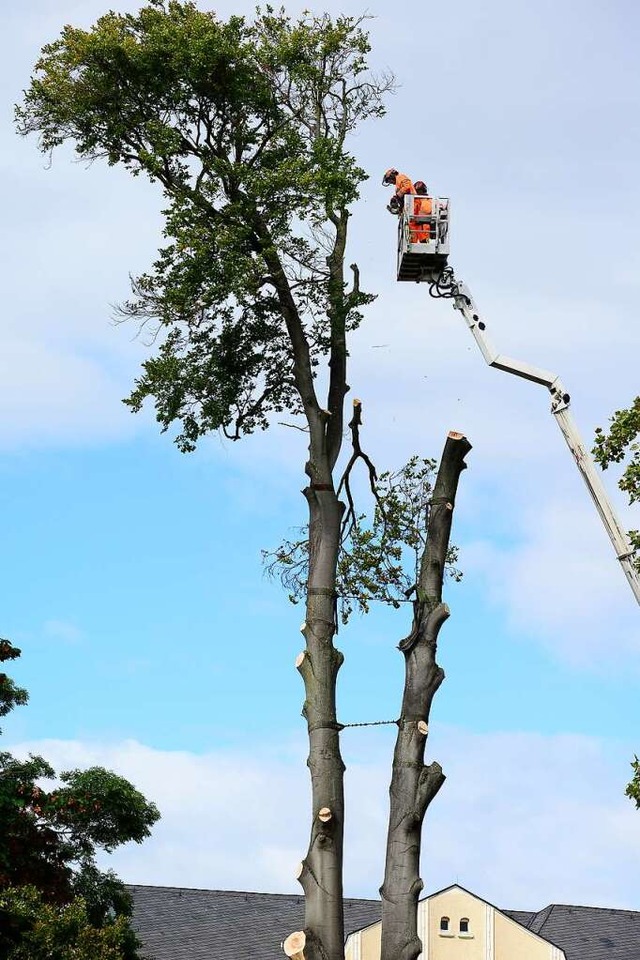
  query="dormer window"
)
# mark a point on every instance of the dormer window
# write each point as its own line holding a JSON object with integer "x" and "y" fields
{"x": 444, "y": 924}
{"x": 464, "y": 925}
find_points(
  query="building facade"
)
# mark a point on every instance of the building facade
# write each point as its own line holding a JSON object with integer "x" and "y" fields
{"x": 455, "y": 924}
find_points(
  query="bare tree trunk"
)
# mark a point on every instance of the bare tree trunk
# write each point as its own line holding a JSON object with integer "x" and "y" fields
{"x": 321, "y": 870}
{"x": 414, "y": 784}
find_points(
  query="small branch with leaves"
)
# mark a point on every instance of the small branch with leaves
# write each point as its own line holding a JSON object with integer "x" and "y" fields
{"x": 380, "y": 551}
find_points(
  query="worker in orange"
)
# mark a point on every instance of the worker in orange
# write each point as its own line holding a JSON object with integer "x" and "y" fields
{"x": 420, "y": 230}
{"x": 403, "y": 185}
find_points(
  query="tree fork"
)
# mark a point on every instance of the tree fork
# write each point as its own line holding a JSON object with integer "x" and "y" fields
{"x": 413, "y": 783}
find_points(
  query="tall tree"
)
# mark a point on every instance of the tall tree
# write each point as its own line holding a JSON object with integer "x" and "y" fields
{"x": 245, "y": 126}
{"x": 52, "y": 895}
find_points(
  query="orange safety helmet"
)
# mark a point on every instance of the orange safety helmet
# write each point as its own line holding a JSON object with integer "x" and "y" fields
{"x": 390, "y": 176}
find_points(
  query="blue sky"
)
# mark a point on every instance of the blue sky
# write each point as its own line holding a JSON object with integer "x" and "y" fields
{"x": 132, "y": 578}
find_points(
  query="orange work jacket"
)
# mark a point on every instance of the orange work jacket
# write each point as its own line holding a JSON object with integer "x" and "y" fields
{"x": 404, "y": 185}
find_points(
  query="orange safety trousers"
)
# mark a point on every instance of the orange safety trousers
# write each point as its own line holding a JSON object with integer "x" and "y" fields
{"x": 421, "y": 232}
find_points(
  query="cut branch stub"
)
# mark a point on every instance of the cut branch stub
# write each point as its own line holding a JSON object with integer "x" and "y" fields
{"x": 294, "y": 945}
{"x": 300, "y": 658}
{"x": 324, "y": 814}
{"x": 423, "y": 727}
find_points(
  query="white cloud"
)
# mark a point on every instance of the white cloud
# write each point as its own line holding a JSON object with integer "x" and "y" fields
{"x": 522, "y": 819}
{"x": 560, "y": 583}
{"x": 527, "y": 819}
{"x": 50, "y": 394}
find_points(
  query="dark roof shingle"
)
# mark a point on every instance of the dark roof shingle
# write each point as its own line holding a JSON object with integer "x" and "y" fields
{"x": 590, "y": 933}
{"x": 176, "y": 923}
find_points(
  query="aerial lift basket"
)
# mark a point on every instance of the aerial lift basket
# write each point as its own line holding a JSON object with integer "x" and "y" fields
{"x": 423, "y": 238}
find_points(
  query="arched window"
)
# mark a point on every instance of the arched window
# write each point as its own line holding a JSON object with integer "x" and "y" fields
{"x": 464, "y": 925}
{"x": 444, "y": 924}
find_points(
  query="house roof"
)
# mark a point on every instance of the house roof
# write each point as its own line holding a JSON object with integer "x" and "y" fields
{"x": 589, "y": 933}
{"x": 523, "y": 917}
{"x": 177, "y": 923}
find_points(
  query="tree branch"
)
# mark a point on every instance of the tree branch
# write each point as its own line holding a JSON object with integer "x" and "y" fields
{"x": 358, "y": 454}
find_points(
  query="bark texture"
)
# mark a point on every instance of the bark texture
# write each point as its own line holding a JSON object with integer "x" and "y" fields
{"x": 414, "y": 784}
{"x": 321, "y": 870}
{"x": 321, "y": 873}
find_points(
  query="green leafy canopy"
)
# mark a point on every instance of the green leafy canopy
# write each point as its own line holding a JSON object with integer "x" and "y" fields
{"x": 633, "y": 788}
{"x": 380, "y": 557}
{"x": 32, "y": 929}
{"x": 618, "y": 444}
{"x": 53, "y": 897}
{"x": 243, "y": 124}
{"x": 10, "y": 695}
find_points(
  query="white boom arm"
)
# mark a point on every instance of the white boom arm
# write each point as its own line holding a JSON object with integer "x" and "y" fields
{"x": 463, "y": 301}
